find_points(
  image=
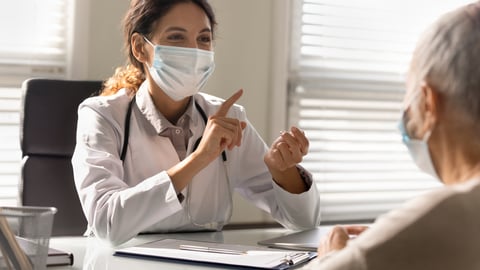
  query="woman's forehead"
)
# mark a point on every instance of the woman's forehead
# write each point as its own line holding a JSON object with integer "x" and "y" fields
{"x": 186, "y": 16}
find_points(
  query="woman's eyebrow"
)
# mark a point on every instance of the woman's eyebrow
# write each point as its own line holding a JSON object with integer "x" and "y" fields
{"x": 177, "y": 28}
{"x": 206, "y": 29}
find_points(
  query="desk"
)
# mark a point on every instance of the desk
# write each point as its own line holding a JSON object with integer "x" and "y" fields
{"x": 91, "y": 253}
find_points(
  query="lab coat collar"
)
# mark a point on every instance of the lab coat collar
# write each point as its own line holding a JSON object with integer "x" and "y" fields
{"x": 157, "y": 119}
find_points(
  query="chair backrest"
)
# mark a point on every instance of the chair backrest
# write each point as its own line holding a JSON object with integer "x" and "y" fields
{"x": 47, "y": 139}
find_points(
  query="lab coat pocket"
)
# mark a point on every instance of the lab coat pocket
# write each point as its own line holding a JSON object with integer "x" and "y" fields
{"x": 209, "y": 198}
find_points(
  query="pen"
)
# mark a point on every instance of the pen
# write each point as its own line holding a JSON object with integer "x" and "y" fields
{"x": 213, "y": 250}
{"x": 293, "y": 259}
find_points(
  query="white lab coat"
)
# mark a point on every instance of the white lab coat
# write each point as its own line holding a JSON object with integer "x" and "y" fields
{"x": 122, "y": 200}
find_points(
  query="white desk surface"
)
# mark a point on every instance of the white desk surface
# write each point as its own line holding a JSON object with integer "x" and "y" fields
{"x": 90, "y": 253}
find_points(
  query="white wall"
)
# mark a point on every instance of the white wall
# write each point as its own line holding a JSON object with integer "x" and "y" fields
{"x": 242, "y": 56}
{"x": 105, "y": 50}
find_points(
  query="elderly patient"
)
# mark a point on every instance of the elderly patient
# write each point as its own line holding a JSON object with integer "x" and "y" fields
{"x": 441, "y": 129}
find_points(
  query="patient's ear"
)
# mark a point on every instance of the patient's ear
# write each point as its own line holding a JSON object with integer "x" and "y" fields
{"x": 431, "y": 106}
{"x": 139, "y": 49}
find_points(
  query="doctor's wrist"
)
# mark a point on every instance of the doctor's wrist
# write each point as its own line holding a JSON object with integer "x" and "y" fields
{"x": 182, "y": 173}
{"x": 290, "y": 180}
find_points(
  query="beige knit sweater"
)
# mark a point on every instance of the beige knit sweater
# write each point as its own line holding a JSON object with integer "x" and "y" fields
{"x": 439, "y": 230}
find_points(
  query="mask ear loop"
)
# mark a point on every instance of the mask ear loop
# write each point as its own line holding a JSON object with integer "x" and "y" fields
{"x": 148, "y": 41}
{"x": 402, "y": 125}
{"x": 151, "y": 44}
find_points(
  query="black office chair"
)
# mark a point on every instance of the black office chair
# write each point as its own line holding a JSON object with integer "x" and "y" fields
{"x": 47, "y": 139}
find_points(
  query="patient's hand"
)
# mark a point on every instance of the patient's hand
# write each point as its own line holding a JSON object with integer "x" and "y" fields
{"x": 338, "y": 237}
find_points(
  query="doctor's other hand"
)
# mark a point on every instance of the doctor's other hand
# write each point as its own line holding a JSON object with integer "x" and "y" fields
{"x": 221, "y": 131}
{"x": 338, "y": 238}
{"x": 287, "y": 150}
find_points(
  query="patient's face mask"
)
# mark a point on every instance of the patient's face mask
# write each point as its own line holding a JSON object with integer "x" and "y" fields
{"x": 181, "y": 72}
{"x": 418, "y": 148}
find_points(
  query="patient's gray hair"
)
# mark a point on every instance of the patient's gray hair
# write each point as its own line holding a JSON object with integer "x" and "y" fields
{"x": 448, "y": 57}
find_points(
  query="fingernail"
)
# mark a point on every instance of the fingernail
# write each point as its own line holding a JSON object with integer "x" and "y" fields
{"x": 296, "y": 129}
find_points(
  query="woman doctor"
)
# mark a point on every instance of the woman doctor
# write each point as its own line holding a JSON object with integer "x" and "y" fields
{"x": 155, "y": 155}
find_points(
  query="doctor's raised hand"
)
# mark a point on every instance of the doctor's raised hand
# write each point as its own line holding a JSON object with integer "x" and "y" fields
{"x": 221, "y": 131}
{"x": 282, "y": 158}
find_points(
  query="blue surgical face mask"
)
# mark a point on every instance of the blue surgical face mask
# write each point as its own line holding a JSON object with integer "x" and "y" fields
{"x": 181, "y": 72}
{"x": 418, "y": 149}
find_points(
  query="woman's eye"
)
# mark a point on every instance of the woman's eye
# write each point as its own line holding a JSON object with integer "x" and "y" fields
{"x": 175, "y": 37}
{"x": 205, "y": 39}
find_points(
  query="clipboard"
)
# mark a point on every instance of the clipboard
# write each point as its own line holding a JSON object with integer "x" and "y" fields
{"x": 218, "y": 253}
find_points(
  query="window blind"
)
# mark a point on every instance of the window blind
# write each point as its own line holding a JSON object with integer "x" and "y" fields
{"x": 10, "y": 154}
{"x": 346, "y": 85}
{"x": 34, "y": 39}
{"x": 34, "y": 44}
